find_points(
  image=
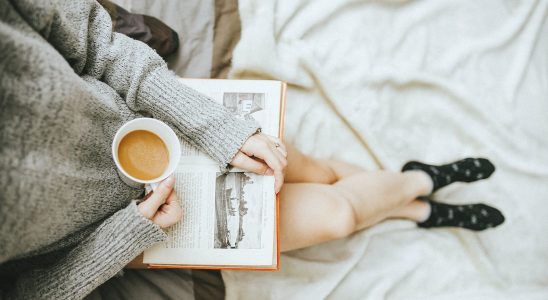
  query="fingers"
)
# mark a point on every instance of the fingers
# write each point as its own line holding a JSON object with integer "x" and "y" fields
{"x": 280, "y": 155}
{"x": 280, "y": 146}
{"x": 247, "y": 163}
{"x": 172, "y": 198}
{"x": 169, "y": 213}
{"x": 266, "y": 150}
{"x": 149, "y": 207}
{"x": 162, "y": 207}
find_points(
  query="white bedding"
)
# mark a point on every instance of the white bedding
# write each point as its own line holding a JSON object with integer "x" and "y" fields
{"x": 429, "y": 80}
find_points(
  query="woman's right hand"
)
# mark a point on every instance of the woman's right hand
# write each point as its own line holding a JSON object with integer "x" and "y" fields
{"x": 161, "y": 206}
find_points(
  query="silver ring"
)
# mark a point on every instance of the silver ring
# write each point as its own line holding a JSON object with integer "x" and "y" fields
{"x": 277, "y": 145}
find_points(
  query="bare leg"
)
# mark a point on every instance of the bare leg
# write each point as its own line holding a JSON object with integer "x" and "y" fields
{"x": 330, "y": 200}
{"x": 417, "y": 211}
{"x": 305, "y": 169}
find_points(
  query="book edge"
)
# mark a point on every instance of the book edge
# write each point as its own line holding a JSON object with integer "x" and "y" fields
{"x": 276, "y": 266}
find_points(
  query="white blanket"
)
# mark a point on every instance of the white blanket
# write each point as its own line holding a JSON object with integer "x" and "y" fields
{"x": 429, "y": 80}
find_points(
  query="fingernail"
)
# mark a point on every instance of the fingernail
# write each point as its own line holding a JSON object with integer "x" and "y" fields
{"x": 170, "y": 181}
{"x": 269, "y": 172}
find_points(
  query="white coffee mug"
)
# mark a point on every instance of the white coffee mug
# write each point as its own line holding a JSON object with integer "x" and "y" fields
{"x": 161, "y": 130}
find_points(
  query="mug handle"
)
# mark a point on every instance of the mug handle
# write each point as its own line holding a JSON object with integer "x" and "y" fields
{"x": 149, "y": 188}
{"x": 153, "y": 186}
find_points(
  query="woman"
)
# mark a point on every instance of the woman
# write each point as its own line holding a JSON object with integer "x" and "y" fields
{"x": 67, "y": 221}
{"x": 67, "y": 83}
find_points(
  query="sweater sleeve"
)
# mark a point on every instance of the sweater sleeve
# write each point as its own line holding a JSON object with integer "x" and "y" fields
{"x": 97, "y": 258}
{"x": 81, "y": 31}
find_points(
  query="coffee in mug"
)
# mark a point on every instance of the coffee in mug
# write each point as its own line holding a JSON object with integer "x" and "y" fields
{"x": 143, "y": 155}
{"x": 145, "y": 151}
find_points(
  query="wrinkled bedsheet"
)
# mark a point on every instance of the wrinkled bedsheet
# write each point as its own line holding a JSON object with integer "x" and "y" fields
{"x": 377, "y": 83}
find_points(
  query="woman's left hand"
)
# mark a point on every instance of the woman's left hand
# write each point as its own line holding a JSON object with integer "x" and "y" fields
{"x": 263, "y": 154}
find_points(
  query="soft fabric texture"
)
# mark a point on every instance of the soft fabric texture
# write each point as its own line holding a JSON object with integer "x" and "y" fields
{"x": 161, "y": 284}
{"x": 209, "y": 30}
{"x": 194, "y": 21}
{"x": 426, "y": 80}
{"x": 147, "y": 29}
{"x": 67, "y": 221}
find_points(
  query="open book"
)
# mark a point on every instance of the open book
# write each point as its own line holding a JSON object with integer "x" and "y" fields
{"x": 230, "y": 221}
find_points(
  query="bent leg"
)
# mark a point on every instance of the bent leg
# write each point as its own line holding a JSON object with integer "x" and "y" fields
{"x": 305, "y": 169}
{"x": 416, "y": 211}
{"x": 312, "y": 213}
{"x": 323, "y": 200}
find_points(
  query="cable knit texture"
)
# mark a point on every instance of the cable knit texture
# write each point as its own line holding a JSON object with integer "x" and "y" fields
{"x": 108, "y": 249}
{"x": 67, "y": 83}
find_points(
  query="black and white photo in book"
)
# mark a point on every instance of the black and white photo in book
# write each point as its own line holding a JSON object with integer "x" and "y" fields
{"x": 238, "y": 211}
{"x": 243, "y": 105}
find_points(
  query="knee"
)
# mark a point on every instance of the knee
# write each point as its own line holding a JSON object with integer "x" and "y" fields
{"x": 340, "y": 221}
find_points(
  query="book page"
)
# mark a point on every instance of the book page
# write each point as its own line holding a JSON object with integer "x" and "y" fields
{"x": 246, "y": 99}
{"x": 228, "y": 219}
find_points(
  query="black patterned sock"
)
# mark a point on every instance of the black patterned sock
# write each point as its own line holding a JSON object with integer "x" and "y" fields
{"x": 464, "y": 170}
{"x": 471, "y": 216}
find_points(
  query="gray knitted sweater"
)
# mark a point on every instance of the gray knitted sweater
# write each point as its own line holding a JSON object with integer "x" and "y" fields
{"x": 67, "y": 83}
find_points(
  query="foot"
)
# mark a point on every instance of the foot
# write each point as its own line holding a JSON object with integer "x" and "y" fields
{"x": 475, "y": 217}
{"x": 465, "y": 170}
